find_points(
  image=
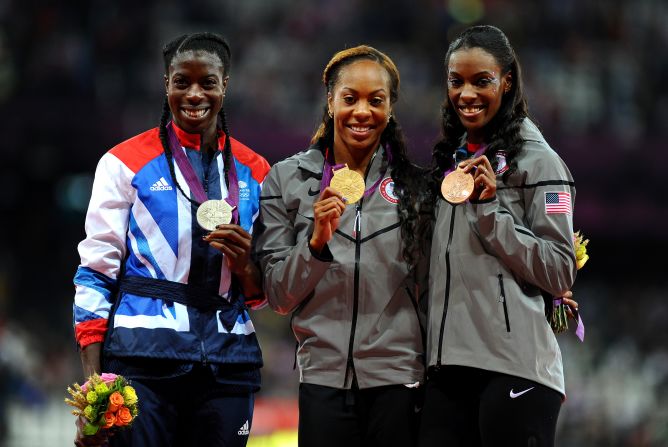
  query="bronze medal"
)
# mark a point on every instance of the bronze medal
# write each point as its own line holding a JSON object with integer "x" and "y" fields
{"x": 212, "y": 213}
{"x": 457, "y": 186}
{"x": 350, "y": 184}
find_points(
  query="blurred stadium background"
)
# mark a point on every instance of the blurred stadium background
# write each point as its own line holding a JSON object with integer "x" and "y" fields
{"x": 77, "y": 77}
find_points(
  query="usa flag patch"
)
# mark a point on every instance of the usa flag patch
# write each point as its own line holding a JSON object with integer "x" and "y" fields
{"x": 558, "y": 203}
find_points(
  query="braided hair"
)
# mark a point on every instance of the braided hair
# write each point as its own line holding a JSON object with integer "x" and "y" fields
{"x": 210, "y": 43}
{"x": 403, "y": 171}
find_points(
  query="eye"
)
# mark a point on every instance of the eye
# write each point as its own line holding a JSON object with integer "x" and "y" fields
{"x": 485, "y": 82}
{"x": 179, "y": 82}
{"x": 210, "y": 83}
{"x": 455, "y": 83}
{"x": 376, "y": 102}
{"x": 349, "y": 99}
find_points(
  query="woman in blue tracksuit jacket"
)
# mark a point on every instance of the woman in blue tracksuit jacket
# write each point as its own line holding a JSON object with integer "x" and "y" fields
{"x": 165, "y": 297}
{"x": 495, "y": 375}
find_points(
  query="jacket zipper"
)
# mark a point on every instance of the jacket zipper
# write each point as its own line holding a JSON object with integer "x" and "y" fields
{"x": 350, "y": 365}
{"x": 502, "y": 299}
{"x": 447, "y": 286}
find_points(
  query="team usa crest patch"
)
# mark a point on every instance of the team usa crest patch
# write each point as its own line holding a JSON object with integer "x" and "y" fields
{"x": 387, "y": 190}
{"x": 502, "y": 165}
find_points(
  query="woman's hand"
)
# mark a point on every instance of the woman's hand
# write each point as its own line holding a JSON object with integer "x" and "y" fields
{"x": 484, "y": 178}
{"x": 327, "y": 211}
{"x": 99, "y": 439}
{"x": 571, "y": 304}
{"x": 235, "y": 243}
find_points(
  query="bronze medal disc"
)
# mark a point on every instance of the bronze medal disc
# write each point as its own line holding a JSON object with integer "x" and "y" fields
{"x": 213, "y": 213}
{"x": 349, "y": 183}
{"x": 457, "y": 186}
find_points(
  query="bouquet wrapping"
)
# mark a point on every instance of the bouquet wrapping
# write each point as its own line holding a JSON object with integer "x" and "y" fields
{"x": 559, "y": 317}
{"x": 106, "y": 402}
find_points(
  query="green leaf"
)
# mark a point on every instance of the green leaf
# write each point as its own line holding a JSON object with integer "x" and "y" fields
{"x": 90, "y": 429}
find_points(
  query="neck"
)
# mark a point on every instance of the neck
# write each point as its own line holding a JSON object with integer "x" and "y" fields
{"x": 357, "y": 160}
{"x": 209, "y": 141}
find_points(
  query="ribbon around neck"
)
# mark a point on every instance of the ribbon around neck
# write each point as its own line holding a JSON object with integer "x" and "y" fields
{"x": 193, "y": 181}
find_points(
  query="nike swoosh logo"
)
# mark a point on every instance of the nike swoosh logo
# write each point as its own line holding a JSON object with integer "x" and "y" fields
{"x": 514, "y": 395}
{"x": 313, "y": 193}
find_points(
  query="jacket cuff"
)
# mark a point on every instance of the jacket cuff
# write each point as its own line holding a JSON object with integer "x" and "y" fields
{"x": 325, "y": 255}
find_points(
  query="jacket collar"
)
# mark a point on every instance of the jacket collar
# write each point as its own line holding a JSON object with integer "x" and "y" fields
{"x": 192, "y": 140}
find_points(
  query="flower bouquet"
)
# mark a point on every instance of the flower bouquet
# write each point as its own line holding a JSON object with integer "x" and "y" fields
{"x": 559, "y": 320}
{"x": 106, "y": 402}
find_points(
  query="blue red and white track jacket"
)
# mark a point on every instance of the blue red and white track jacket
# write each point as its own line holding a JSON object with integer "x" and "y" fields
{"x": 139, "y": 223}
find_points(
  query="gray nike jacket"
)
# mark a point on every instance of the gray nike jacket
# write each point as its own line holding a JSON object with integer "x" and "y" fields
{"x": 489, "y": 262}
{"x": 353, "y": 307}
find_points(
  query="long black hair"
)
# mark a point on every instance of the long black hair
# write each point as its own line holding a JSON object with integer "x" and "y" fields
{"x": 210, "y": 43}
{"x": 404, "y": 173}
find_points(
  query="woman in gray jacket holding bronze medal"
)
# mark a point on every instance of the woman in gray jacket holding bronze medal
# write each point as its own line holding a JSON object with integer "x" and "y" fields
{"x": 503, "y": 234}
{"x": 336, "y": 244}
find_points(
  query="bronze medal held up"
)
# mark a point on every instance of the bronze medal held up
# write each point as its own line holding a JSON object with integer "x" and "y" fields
{"x": 349, "y": 183}
{"x": 457, "y": 186}
{"x": 212, "y": 213}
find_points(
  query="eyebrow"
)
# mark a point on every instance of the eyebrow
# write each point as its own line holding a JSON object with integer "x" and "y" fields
{"x": 380, "y": 90}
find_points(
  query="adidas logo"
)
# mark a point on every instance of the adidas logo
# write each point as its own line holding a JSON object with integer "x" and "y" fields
{"x": 161, "y": 185}
{"x": 243, "y": 431}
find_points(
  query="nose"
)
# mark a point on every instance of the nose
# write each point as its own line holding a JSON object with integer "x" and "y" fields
{"x": 195, "y": 93}
{"x": 468, "y": 91}
{"x": 362, "y": 110}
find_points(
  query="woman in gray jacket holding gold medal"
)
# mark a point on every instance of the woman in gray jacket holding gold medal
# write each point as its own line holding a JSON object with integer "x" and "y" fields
{"x": 503, "y": 233}
{"x": 336, "y": 244}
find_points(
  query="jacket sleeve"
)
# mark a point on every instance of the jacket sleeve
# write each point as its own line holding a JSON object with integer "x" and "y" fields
{"x": 289, "y": 268}
{"x": 102, "y": 250}
{"x": 540, "y": 249}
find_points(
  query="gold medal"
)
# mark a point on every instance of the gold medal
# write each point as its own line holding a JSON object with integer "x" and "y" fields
{"x": 457, "y": 186}
{"x": 349, "y": 184}
{"x": 212, "y": 213}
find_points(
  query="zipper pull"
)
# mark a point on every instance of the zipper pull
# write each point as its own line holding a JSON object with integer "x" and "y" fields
{"x": 357, "y": 225}
{"x": 502, "y": 297}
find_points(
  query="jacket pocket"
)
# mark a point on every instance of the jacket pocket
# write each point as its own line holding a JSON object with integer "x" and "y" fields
{"x": 502, "y": 300}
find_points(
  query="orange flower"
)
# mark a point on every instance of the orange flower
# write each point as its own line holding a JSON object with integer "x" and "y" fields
{"x": 115, "y": 401}
{"x": 109, "y": 419}
{"x": 123, "y": 416}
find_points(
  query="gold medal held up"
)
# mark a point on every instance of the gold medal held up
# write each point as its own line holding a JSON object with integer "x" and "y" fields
{"x": 457, "y": 186}
{"x": 212, "y": 213}
{"x": 349, "y": 183}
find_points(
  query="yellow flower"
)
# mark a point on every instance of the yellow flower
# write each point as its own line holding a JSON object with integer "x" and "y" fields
{"x": 101, "y": 388}
{"x": 90, "y": 413}
{"x": 91, "y": 397}
{"x": 129, "y": 395}
{"x": 581, "y": 255}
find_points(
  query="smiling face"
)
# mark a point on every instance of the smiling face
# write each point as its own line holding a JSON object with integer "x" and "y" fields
{"x": 360, "y": 107}
{"x": 196, "y": 85}
{"x": 475, "y": 89}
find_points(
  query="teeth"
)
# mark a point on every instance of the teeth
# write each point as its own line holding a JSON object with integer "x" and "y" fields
{"x": 359, "y": 129}
{"x": 195, "y": 113}
{"x": 470, "y": 109}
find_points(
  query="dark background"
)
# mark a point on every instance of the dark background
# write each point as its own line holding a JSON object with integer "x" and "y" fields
{"x": 78, "y": 77}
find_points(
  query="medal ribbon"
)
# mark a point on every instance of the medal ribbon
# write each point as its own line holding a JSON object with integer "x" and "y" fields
{"x": 329, "y": 167}
{"x": 193, "y": 182}
{"x": 461, "y": 150}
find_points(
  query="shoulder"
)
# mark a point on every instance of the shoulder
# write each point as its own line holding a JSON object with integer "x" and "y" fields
{"x": 137, "y": 151}
{"x": 537, "y": 155}
{"x": 310, "y": 159}
{"x": 257, "y": 164}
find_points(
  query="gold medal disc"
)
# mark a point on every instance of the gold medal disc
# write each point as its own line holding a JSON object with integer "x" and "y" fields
{"x": 213, "y": 213}
{"x": 457, "y": 186}
{"x": 349, "y": 183}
